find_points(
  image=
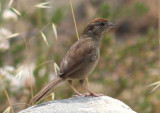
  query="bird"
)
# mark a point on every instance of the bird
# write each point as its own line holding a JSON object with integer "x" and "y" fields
{"x": 80, "y": 60}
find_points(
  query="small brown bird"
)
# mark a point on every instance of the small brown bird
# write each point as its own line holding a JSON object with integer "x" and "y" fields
{"x": 81, "y": 58}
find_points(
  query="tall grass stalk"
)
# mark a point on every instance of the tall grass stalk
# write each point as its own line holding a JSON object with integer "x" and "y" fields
{"x": 74, "y": 19}
{"x": 159, "y": 28}
{"x": 159, "y": 34}
{"x": 27, "y": 53}
{"x": 76, "y": 31}
{"x": 5, "y": 91}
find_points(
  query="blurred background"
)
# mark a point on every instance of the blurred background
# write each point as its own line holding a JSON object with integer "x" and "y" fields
{"x": 129, "y": 52}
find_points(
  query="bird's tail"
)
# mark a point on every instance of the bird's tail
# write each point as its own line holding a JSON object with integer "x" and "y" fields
{"x": 46, "y": 90}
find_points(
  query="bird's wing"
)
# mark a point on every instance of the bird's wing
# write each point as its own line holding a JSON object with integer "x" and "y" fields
{"x": 79, "y": 55}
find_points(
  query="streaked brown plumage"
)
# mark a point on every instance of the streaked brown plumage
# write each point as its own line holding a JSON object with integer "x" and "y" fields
{"x": 81, "y": 58}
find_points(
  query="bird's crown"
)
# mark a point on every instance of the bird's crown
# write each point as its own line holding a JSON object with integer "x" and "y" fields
{"x": 99, "y": 20}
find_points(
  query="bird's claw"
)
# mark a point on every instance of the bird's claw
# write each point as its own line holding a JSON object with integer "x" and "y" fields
{"x": 87, "y": 95}
{"x": 77, "y": 95}
{"x": 93, "y": 95}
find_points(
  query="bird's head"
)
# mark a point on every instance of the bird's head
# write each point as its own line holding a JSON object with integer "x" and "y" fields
{"x": 98, "y": 27}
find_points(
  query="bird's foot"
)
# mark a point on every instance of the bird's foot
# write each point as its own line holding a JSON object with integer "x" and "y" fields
{"x": 93, "y": 95}
{"x": 77, "y": 95}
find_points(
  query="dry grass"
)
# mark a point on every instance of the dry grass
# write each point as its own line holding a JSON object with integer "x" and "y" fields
{"x": 16, "y": 11}
{"x": 13, "y": 35}
{"x": 27, "y": 52}
{"x": 19, "y": 72}
{"x": 56, "y": 69}
{"x": 74, "y": 19}
{"x": 7, "y": 110}
{"x": 159, "y": 28}
{"x": 77, "y": 32}
{"x": 54, "y": 30}
{"x": 44, "y": 5}
{"x": 5, "y": 91}
{"x": 157, "y": 84}
{"x": 45, "y": 39}
{"x": 10, "y": 3}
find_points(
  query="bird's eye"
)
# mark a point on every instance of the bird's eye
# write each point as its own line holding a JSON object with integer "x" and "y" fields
{"x": 102, "y": 24}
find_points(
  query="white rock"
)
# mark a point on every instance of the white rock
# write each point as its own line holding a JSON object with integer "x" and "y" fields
{"x": 103, "y": 104}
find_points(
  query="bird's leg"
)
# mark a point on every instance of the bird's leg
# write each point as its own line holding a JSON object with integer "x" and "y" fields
{"x": 77, "y": 93}
{"x": 91, "y": 93}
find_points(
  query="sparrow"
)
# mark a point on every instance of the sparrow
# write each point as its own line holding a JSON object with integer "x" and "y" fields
{"x": 80, "y": 60}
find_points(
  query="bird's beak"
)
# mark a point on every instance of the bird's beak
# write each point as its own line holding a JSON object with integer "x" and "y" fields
{"x": 111, "y": 25}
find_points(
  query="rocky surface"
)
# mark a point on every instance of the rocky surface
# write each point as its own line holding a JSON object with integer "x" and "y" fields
{"x": 103, "y": 104}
